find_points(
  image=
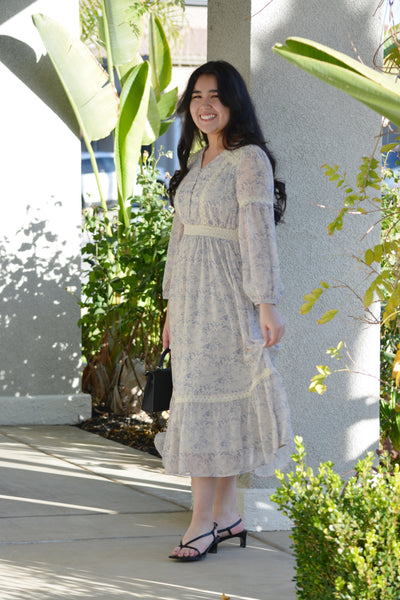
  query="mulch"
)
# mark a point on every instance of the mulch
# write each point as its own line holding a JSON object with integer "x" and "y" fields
{"x": 136, "y": 431}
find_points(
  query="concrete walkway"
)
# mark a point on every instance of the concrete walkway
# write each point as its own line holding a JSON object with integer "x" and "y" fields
{"x": 85, "y": 518}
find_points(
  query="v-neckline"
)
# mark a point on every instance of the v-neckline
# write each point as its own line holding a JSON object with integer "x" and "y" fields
{"x": 211, "y": 161}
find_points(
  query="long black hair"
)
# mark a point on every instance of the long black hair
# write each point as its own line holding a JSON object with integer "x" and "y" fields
{"x": 242, "y": 129}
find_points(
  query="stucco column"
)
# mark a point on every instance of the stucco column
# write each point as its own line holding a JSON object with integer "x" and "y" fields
{"x": 40, "y": 350}
{"x": 229, "y": 34}
{"x": 306, "y": 124}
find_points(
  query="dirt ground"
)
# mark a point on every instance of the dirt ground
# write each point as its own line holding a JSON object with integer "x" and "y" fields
{"x": 136, "y": 431}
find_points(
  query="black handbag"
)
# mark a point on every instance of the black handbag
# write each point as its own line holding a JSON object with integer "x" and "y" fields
{"x": 158, "y": 389}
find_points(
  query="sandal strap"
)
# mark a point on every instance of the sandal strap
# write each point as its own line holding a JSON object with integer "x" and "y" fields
{"x": 228, "y": 529}
{"x": 191, "y": 548}
{"x": 199, "y": 538}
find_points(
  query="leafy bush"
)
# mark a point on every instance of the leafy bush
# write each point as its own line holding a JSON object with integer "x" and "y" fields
{"x": 381, "y": 264}
{"x": 346, "y": 536}
{"x": 122, "y": 304}
{"x": 390, "y": 336}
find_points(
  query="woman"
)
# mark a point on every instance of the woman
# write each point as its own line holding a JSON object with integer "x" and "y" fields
{"x": 229, "y": 412}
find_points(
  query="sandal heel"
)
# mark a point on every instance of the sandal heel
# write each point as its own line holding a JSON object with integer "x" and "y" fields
{"x": 243, "y": 537}
{"x": 214, "y": 548}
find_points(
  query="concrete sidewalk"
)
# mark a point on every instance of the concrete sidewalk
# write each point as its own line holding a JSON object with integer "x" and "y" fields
{"x": 86, "y": 518}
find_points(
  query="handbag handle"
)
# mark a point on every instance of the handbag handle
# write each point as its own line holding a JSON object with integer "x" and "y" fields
{"x": 162, "y": 357}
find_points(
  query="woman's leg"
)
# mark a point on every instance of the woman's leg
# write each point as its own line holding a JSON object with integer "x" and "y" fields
{"x": 225, "y": 505}
{"x": 203, "y": 489}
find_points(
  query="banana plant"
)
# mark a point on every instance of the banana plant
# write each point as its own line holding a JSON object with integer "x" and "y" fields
{"x": 376, "y": 90}
{"x": 121, "y": 32}
{"x": 143, "y": 112}
{"x": 129, "y": 133}
{"x": 162, "y": 104}
{"x": 92, "y": 96}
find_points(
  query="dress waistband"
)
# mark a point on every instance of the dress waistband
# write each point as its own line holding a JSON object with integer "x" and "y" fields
{"x": 209, "y": 231}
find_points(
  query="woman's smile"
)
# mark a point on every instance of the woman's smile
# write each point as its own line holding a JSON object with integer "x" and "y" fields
{"x": 206, "y": 108}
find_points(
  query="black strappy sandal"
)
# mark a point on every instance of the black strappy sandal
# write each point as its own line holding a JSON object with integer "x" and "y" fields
{"x": 212, "y": 548}
{"x": 242, "y": 534}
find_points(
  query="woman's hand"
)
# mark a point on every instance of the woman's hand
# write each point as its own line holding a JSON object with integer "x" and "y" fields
{"x": 272, "y": 324}
{"x": 166, "y": 336}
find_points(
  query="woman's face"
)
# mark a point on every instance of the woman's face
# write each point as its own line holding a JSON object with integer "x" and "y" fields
{"x": 206, "y": 109}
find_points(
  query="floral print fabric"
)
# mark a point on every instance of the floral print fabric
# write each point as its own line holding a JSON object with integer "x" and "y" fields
{"x": 229, "y": 412}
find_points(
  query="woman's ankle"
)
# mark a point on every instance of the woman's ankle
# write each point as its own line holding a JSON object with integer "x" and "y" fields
{"x": 228, "y": 520}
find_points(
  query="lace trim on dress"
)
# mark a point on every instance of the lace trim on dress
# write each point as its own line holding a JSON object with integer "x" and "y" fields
{"x": 254, "y": 200}
{"x": 211, "y": 231}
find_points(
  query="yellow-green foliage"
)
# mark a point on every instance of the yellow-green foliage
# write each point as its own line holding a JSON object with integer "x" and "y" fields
{"x": 346, "y": 536}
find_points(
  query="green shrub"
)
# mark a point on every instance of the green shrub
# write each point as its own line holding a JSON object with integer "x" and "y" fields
{"x": 390, "y": 328}
{"x": 123, "y": 310}
{"x": 346, "y": 536}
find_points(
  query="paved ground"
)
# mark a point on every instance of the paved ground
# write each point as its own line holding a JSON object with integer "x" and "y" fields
{"x": 85, "y": 518}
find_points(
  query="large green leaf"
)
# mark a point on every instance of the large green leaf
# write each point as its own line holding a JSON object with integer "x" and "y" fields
{"x": 374, "y": 89}
{"x": 159, "y": 56}
{"x": 125, "y": 69}
{"x": 165, "y": 125}
{"x": 124, "y": 30}
{"x": 159, "y": 115}
{"x": 153, "y": 121}
{"x": 129, "y": 131}
{"x": 93, "y": 99}
{"x": 167, "y": 104}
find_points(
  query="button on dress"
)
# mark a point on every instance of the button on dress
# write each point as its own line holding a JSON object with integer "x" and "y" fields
{"x": 229, "y": 413}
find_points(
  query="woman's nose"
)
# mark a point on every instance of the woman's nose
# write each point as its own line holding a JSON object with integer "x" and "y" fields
{"x": 205, "y": 102}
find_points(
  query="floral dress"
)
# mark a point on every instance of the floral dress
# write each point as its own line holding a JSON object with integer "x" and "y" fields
{"x": 229, "y": 412}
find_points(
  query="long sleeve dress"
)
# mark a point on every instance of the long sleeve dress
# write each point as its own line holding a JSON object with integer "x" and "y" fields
{"x": 229, "y": 412}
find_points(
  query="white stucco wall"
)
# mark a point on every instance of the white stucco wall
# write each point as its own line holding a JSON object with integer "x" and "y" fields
{"x": 308, "y": 123}
{"x": 40, "y": 351}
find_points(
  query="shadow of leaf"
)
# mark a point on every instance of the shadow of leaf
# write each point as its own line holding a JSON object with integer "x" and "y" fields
{"x": 40, "y": 77}
{"x": 10, "y": 9}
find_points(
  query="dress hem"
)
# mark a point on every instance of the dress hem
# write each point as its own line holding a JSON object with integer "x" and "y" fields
{"x": 265, "y": 468}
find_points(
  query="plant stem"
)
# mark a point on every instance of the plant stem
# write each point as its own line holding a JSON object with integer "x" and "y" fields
{"x": 110, "y": 62}
{"x": 96, "y": 174}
